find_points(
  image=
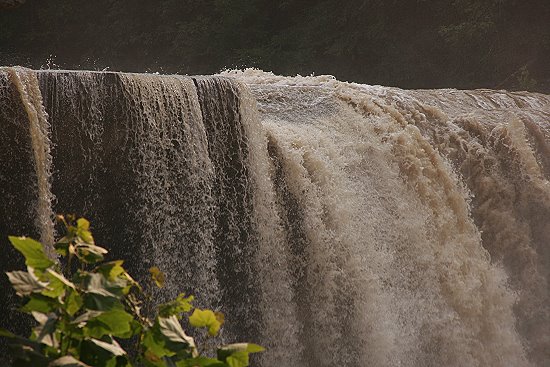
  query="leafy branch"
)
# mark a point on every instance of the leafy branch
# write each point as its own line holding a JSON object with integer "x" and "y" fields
{"x": 83, "y": 311}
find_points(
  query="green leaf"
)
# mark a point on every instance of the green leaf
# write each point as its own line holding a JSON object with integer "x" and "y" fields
{"x": 32, "y": 250}
{"x": 53, "y": 274}
{"x": 25, "y": 283}
{"x": 99, "y": 284}
{"x": 206, "y": 318}
{"x": 62, "y": 246}
{"x": 118, "y": 321}
{"x": 238, "y": 359}
{"x": 243, "y": 347}
{"x": 176, "y": 306}
{"x": 57, "y": 284}
{"x": 171, "y": 328}
{"x": 40, "y": 317}
{"x": 29, "y": 355}
{"x": 166, "y": 339}
{"x": 83, "y": 231}
{"x": 99, "y": 292}
{"x": 73, "y": 302}
{"x": 20, "y": 340}
{"x": 136, "y": 329}
{"x": 40, "y": 303}
{"x": 201, "y": 362}
{"x": 155, "y": 345}
{"x": 45, "y": 330}
{"x": 115, "y": 322}
{"x": 100, "y": 303}
{"x": 6, "y": 333}
{"x": 111, "y": 270}
{"x": 54, "y": 289}
{"x": 254, "y": 348}
{"x": 158, "y": 276}
{"x": 113, "y": 347}
{"x": 102, "y": 353}
{"x": 83, "y": 224}
{"x": 81, "y": 320}
{"x": 89, "y": 253}
{"x": 86, "y": 236}
{"x": 67, "y": 361}
{"x": 236, "y": 355}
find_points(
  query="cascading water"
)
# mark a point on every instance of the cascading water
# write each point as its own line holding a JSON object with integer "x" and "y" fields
{"x": 333, "y": 223}
{"x": 26, "y": 85}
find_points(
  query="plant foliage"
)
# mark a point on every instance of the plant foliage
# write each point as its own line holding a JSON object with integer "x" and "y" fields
{"x": 83, "y": 311}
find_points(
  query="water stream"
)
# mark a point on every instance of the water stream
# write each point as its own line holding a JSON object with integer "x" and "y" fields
{"x": 334, "y": 223}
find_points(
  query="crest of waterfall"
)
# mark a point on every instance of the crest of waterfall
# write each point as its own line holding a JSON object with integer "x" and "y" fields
{"x": 333, "y": 223}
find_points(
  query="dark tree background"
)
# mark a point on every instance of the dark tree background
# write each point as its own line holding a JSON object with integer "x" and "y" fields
{"x": 406, "y": 43}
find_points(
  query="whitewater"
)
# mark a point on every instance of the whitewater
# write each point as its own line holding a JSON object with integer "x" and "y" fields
{"x": 337, "y": 224}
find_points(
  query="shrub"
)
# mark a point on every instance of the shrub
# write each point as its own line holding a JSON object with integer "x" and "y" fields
{"x": 86, "y": 308}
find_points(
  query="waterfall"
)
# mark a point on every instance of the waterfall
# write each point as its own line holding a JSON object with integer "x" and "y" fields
{"x": 334, "y": 223}
{"x": 26, "y": 84}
